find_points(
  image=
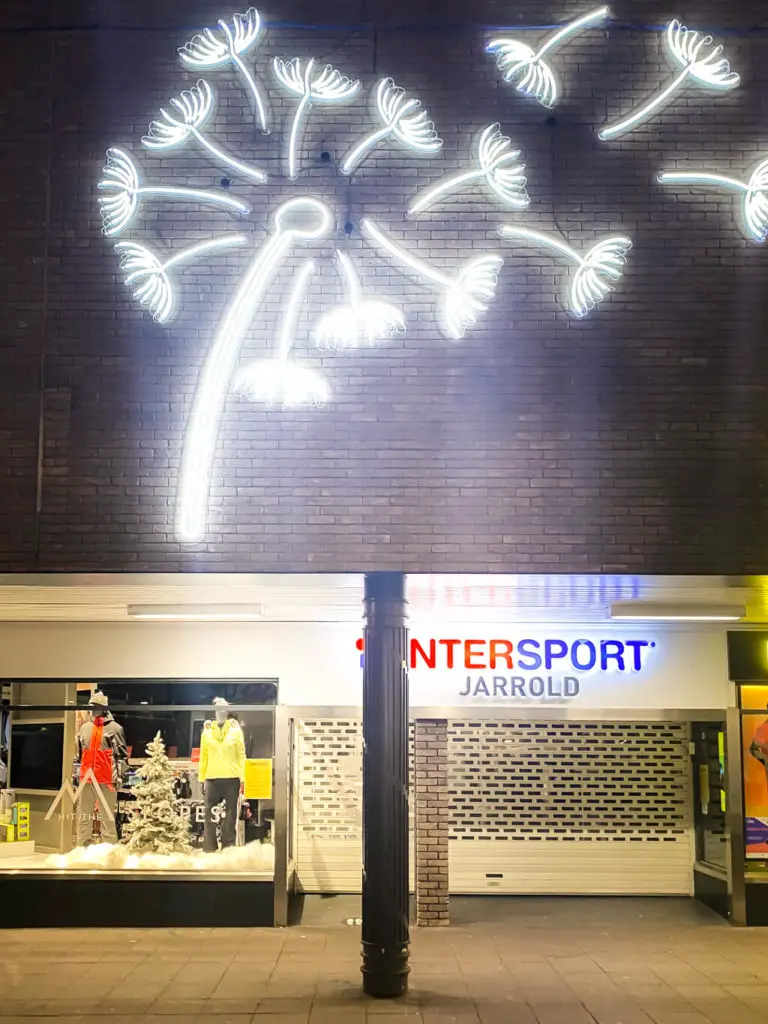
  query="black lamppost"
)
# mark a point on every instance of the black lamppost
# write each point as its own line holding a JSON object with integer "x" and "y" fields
{"x": 386, "y": 936}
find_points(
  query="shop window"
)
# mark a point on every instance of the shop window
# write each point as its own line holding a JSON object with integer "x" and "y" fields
{"x": 133, "y": 775}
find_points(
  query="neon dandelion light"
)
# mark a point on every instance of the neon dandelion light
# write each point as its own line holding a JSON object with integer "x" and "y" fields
{"x": 402, "y": 119}
{"x": 299, "y": 220}
{"x": 498, "y": 168}
{"x": 150, "y": 274}
{"x": 281, "y": 381}
{"x": 463, "y": 295}
{"x": 596, "y": 270}
{"x": 754, "y": 193}
{"x": 699, "y": 62}
{"x": 211, "y": 50}
{"x": 360, "y": 320}
{"x": 124, "y": 191}
{"x": 194, "y": 107}
{"x": 325, "y": 86}
{"x": 520, "y": 63}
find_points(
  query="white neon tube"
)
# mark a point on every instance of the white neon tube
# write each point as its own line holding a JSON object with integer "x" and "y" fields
{"x": 602, "y": 264}
{"x": 327, "y": 86}
{"x": 497, "y": 168}
{"x": 700, "y": 62}
{"x": 291, "y": 314}
{"x": 208, "y": 405}
{"x": 360, "y": 320}
{"x": 515, "y": 58}
{"x": 207, "y": 50}
{"x": 403, "y": 120}
{"x": 195, "y": 106}
{"x": 156, "y": 292}
{"x": 121, "y": 179}
{"x": 463, "y": 296}
{"x": 754, "y": 208}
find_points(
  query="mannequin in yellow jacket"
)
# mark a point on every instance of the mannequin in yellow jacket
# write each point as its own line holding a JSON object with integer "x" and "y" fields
{"x": 222, "y": 770}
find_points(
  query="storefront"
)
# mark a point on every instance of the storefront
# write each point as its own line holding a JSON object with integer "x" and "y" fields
{"x": 573, "y": 759}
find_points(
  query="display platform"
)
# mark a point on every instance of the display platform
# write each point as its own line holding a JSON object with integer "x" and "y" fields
{"x": 32, "y": 899}
{"x": 18, "y": 851}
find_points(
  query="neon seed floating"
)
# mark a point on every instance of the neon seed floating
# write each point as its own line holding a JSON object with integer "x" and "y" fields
{"x": 701, "y": 64}
{"x": 463, "y": 296}
{"x": 145, "y": 269}
{"x": 325, "y": 86}
{"x": 210, "y": 50}
{"x": 596, "y": 271}
{"x": 522, "y": 64}
{"x": 281, "y": 381}
{"x": 121, "y": 181}
{"x": 403, "y": 120}
{"x": 361, "y": 320}
{"x": 498, "y": 169}
{"x": 754, "y": 206}
{"x": 194, "y": 107}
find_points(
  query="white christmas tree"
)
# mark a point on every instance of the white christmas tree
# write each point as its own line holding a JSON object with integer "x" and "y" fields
{"x": 156, "y": 826}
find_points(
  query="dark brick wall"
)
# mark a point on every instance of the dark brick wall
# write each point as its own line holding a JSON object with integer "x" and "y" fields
{"x": 635, "y": 439}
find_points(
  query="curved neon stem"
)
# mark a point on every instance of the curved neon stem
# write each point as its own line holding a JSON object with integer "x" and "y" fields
{"x": 540, "y": 239}
{"x": 192, "y": 193}
{"x": 415, "y": 264}
{"x": 697, "y": 178}
{"x": 229, "y": 161}
{"x": 203, "y": 430}
{"x": 592, "y": 18}
{"x": 449, "y": 185}
{"x": 201, "y": 247}
{"x": 240, "y": 65}
{"x": 291, "y": 315}
{"x": 356, "y": 156}
{"x": 613, "y": 131}
{"x": 298, "y": 117}
{"x": 351, "y": 279}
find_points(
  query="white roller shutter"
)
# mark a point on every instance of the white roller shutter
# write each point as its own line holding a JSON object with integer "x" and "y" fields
{"x": 329, "y": 806}
{"x": 569, "y": 807}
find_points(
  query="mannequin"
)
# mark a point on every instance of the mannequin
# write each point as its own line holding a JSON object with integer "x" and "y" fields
{"x": 222, "y": 771}
{"x": 102, "y": 760}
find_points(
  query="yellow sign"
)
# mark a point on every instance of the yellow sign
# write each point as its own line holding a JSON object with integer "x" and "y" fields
{"x": 258, "y": 778}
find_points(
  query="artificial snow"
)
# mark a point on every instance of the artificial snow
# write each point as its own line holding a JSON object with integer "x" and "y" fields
{"x": 255, "y": 856}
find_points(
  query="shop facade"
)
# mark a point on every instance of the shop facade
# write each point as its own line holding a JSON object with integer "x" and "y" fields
{"x": 545, "y": 757}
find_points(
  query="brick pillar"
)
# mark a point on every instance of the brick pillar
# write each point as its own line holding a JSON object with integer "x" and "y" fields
{"x": 430, "y": 764}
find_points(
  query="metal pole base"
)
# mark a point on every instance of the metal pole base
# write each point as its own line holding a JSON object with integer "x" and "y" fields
{"x": 385, "y": 970}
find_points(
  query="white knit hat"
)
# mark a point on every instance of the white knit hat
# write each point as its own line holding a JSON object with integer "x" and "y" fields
{"x": 99, "y": 700}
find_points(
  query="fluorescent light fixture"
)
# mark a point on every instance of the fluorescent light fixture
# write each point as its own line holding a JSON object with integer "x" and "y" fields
{"x": 196, "y": 612}
{"x": 640, "y": 611}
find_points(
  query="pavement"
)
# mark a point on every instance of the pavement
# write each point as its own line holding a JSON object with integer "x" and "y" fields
{"x": 504, "y": 961}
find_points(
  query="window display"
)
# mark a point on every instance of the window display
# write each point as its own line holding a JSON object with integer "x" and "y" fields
{"x": 146, "y": 776}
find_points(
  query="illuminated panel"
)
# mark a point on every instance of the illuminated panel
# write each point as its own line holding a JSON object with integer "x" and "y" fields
{"x": 463, "y": 296}
{"x": 210, "y": 50}
{"x": 326, "y": 86}
{"x": 280, "y": 381}
{"x": 534, "y": 76}
{"x": 600, "y": 266}
{"x": 700, "y": 63}
{"x": 121, "y": 181}
{"x": 497, "y": 168}
{"x": 303, "y": 219}
{"x": 360, "y": 320}
{"x": 402, "y": 119}
{"x": 194, "y": 107}
{"x": 145, "y": 269}
{"x": 754, "y": 206}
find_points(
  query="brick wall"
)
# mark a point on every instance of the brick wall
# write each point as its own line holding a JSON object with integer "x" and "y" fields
{"x": 430, "y": 761}
{"x": 633, "y": 440}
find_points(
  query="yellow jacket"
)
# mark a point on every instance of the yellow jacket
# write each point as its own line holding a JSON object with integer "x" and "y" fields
{"x": 222, "y": 751}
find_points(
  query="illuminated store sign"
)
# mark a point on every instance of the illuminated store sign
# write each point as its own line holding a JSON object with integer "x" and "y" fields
{"x": 272, "y": 289}
{"x": 549, "y": 667}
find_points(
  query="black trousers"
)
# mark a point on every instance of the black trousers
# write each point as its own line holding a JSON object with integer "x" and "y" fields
{"x": 220, "y": 810}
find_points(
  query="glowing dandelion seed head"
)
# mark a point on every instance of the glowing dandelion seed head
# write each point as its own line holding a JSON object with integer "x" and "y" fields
{"x": 121, "y": 180}
{"x": 193, "y": 106}
{"x": 518, "y": 61}
{"x": 209, "y": 50}
{"x": 280, "y": 384}
{"x": 601, "y": 266}
{"x": 361, "y": 320}
{"x": 756, "y": 203}
{"x": 505, "y": 176}
{"x": 703, "y": 61}
{"x": 142, "y": 267}
{"x": 475, "y": 287}
{"x": 408, "y": 122}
